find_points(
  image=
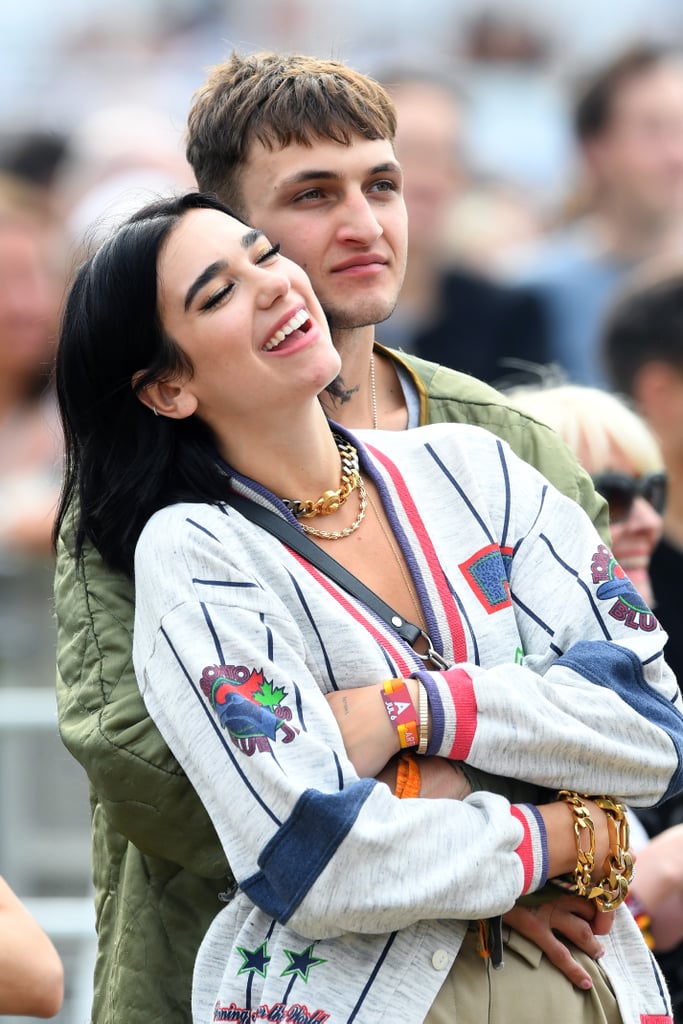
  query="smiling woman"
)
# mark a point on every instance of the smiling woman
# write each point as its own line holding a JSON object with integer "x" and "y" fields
{"x": 509, "y": 660}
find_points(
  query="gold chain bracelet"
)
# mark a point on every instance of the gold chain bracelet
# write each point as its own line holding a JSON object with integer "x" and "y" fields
{"x": 612, "y": 889}
{"x": 618, "y": 867}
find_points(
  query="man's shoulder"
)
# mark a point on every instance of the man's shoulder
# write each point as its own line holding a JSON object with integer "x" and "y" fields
{"x": 447, "y": 396}
{"x": 450, "y": 396}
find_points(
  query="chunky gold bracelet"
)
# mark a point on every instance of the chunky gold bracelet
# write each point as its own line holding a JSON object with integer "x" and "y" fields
{"x": 618, "y": 867}
{"x": 612, "y": 889}
{"x": 583, "y": 827}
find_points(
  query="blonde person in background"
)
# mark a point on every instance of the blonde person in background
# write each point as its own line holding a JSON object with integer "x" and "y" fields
{"x": 622, "y": 456}
{"x": 616, "y": 446}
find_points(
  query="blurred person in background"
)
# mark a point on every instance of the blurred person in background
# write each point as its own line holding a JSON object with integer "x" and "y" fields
{"x": 119, "y": 157}
{"x": 448, "y": 312}
{"x": 30, "y": 440}
{"x": 628, "y": 122}
{"x": 623, "y": 456}
{"x": 31, "y": 972}
{"x": 643, "y": 351}
{"x": 643, "y": 348}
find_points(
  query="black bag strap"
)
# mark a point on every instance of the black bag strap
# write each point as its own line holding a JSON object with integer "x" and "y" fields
{"x": 303, "y": 545}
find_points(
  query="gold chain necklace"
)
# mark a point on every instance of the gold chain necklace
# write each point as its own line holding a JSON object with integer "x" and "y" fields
{"x": 330, "y": 501}
{"x": 373, "y": 391}
{"x": 339, "y": 534}
{"x": 410, "y": 586}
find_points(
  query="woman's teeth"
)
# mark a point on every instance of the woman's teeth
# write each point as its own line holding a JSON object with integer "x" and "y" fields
{"x": 292, "y": 325}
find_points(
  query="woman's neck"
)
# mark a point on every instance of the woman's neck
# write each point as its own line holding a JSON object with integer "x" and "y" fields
{"x": 296, "y": 461}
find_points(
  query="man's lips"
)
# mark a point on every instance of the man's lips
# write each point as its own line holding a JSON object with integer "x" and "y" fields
{"x": 360, "y": 262}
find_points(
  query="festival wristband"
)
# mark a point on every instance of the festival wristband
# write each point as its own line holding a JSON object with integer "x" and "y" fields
{"x": 408, "y": 777}
{"x": 401, "y": 711}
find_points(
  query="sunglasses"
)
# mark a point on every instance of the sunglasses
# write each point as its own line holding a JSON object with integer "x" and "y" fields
{"x": 620, "y": 491}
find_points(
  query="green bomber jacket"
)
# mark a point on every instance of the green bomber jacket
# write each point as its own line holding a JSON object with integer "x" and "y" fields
{"x": 159, "y": 871}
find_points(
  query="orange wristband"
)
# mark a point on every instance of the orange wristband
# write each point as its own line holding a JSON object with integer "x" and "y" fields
{"x": 408, "y": 778}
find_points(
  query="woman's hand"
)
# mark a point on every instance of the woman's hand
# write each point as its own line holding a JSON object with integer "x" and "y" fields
{"x": 572, "y": 917}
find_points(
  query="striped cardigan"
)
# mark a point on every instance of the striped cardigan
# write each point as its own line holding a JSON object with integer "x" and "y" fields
{"x": 352, "y": 905}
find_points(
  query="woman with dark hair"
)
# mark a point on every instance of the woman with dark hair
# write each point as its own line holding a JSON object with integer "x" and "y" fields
{"x": 188, "y": 370}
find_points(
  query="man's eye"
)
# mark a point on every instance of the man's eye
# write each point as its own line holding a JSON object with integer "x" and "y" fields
{"x": 384, "y": 186}
{"x": 309, "y": 194}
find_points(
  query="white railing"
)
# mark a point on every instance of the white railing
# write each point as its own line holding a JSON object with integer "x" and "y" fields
{"x": 25, "y": 712}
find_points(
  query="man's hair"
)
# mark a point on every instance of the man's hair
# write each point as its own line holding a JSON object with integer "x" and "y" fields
{"x": 595, "y": 100}
{"x": 277, "y": 100}
{"x": 645, "y": 326}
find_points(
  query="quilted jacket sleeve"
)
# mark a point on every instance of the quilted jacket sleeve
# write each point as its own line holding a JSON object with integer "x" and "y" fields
{"x": 104, "y": 723}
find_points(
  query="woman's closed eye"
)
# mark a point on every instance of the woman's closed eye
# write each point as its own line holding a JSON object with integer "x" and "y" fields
{"x": 269, "y": 254}
{"x": 217, "y": 297}
{"x": 226, "y": 290}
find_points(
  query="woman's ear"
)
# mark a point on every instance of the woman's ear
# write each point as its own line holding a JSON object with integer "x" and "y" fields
{"x": 167, "y": 398}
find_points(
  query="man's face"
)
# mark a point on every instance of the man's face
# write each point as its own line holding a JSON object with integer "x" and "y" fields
{"x": 338, "y": 212}
{"x": 638, "y": 160}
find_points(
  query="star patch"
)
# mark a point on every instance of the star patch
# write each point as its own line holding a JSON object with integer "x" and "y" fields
{"x": 301, "y": 963}
{"x": 255, "y": 960}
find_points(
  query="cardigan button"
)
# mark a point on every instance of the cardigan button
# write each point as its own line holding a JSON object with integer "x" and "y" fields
{"x": 440, "y": 960}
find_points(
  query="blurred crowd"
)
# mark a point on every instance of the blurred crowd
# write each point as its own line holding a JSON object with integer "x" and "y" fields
{"x": 544, "y": 186}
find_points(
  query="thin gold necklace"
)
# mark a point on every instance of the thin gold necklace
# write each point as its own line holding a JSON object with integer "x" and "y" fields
{"x": 410, "y": 586}
{"x": 373, "y": 391}
{"x": 340, "y": 534}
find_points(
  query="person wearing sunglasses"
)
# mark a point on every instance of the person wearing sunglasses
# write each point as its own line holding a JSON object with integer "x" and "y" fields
{"x": 616, "y": 446}
{"x": 621, "y": 453}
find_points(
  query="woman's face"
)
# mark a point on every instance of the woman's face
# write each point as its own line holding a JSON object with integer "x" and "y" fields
{"x": 246, "y": 317}
{"x": 634, "y": 537}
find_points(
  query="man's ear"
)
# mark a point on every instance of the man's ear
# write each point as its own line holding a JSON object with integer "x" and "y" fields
{"x": 167, "y": 398}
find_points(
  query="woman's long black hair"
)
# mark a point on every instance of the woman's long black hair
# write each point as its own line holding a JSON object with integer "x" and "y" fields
{"x": 122, "y": 462}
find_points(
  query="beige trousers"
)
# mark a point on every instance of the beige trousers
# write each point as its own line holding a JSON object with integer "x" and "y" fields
{"x": 526, "y": 990}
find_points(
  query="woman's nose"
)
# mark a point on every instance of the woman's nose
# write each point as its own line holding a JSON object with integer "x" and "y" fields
{"x": 645, "y": 518}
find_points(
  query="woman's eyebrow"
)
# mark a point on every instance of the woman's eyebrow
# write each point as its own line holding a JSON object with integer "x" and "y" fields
{"x": 251, "y": 236}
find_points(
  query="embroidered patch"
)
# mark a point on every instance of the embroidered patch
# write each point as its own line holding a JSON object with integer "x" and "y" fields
{"x": 655, "y": 1018}
{"x": 629, "y": 606}
{"x": 255, "y": 960}
{"x": 301, "y": 963}
{"x": 248, "y": 706}
{"x": 297, "y": 1013}
{"x": 488, "y": 574}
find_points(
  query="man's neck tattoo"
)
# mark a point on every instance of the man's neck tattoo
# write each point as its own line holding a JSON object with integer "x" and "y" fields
{"x": 338, "y": 393}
